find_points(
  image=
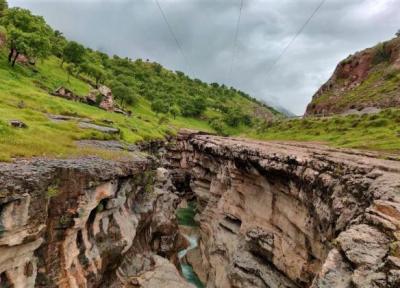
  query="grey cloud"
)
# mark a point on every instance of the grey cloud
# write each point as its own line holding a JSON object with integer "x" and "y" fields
{"x": 206, "y": 29}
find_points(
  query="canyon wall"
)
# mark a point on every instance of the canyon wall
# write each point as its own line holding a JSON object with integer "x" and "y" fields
{"x": 270, "y": 214}
{"x": 88, "y": 223}
{"x": 291, "y": 215}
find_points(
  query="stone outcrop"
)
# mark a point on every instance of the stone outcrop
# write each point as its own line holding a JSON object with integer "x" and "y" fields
{"x": 87, "y": 223}
{"x": 291, "y": 215}
{"x": 65, "y": 93}
{"x": 270, "y": 214}
{"x": 368, "y": 78}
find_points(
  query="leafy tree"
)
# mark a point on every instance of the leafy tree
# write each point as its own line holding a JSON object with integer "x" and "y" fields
{"x": 71, "y": 68}
{"x": 3, "y": 7}
{"x": 175, "y": 111}
{"x": 159, "y": 106}
{"x": 94, "y": 71}
{"x": 73, "y": 53}
{"x": 398, "y": 33}
{"x": 27, "y": 34}
{"x": 194, "y": 107}
{"x": 124, "y": 94}
{"x": 235, "y": 117}
{"x": 58, "y": 43}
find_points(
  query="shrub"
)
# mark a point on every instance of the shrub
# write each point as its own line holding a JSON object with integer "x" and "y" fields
{"x": 381, "y": 54}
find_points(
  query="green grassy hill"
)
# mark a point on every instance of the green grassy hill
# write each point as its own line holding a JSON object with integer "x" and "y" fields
{"x": 161, "y": 101}
{"x": 24, "y": 96}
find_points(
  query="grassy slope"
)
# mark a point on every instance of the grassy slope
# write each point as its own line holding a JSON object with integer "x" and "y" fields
{"x": 46, "y": 138}
{"x": 374, "y": 132}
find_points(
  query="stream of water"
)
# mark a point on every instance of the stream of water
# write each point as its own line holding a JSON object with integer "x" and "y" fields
{"x": 187, "y": 270}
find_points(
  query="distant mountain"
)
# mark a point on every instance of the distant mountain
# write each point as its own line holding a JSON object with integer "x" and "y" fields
{"x": 284, "y": 111}
{"x": 370, "y": 78}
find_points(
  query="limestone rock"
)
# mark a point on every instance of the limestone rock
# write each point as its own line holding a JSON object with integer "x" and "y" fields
{"x": 364, "y": 245}
{"x": 103, "y": 129}
{"x": 270, "y": 212}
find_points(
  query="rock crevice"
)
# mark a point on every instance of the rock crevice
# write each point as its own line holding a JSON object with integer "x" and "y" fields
{"x": 291, "y": 215}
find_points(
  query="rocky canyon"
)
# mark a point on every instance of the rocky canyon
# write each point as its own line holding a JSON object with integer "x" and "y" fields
{"x": 269, "y": 214}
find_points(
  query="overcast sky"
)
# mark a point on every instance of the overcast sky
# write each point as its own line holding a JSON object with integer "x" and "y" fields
{"x": 206, "y": 29}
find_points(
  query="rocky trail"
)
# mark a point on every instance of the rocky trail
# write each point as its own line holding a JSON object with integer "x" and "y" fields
{"x": 270, "y": 214}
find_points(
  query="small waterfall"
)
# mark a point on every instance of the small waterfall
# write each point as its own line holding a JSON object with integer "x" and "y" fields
{"x": 187, "y": 270}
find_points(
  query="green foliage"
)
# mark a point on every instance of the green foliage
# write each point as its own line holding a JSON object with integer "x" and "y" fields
{"x": 74, "y": 53}
{"x": 124, "y": 94}
{"x": 95, "y": 71}
{"x": 235, "y": 117}
{"x": 377, "y": 132}
{"x": 381, "y": 54}
{"x": 58, "y": 43}
{"x": 3, "y": 7}
{"x": 175, "y": 111}
{"x": 160, "y": 106}
{"x": 194, "y": 107}
{"x": 27, "y": 34}
{"x": 52, "y": 191}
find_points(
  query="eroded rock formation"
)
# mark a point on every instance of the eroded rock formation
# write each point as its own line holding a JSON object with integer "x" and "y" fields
{"x": 87, "y": 223}
{"x": 291, "y": 215}
{"x": 271, "y": 215}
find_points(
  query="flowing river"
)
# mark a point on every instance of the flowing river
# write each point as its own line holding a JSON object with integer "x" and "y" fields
{"x": 187, "y": 270}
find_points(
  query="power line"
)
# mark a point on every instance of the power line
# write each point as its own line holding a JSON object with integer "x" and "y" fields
{"x": 171, "y": 31}
{"x": 295, "y": 36}
{"x": 235, "y": 40}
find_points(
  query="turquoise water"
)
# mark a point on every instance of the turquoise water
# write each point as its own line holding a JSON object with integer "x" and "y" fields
{"x": 190, "y": 276}
{"x": 187, "y": 270}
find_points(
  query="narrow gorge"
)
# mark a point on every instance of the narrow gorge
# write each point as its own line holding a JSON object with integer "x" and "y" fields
{"x": 269, "y": 214}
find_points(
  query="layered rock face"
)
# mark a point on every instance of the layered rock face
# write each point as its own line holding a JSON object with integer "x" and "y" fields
{"x": 87, "y": 223}
{"x": 291, "y": 215}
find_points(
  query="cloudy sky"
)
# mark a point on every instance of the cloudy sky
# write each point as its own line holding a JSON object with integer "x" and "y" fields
{"x": 206, "y": 31}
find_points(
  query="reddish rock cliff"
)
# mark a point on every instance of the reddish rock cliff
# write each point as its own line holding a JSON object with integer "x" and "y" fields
{"x": 370, "y": 78}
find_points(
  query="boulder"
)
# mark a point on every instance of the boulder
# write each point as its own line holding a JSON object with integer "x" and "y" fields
{"x": 18, "y": 124}
{"x": 66, "y": 94}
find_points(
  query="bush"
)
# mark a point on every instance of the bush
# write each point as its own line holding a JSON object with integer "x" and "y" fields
{"x": 217, "y": 125}
{"x": 381, "y": 54}
{"x": 159, "y": 106}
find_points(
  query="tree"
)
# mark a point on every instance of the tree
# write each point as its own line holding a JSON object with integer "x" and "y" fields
{"x": 194, "y": 107}
{"x": 175, "y": 111}
{"x": 58, "y": 43}
{"x": 94, "y": 71}
{"x": 398, "y": 33}
{"x": 124, "y": 94}
{"x": 3, "y": 7}
{"x": 73, "y": 53}
{"x": 159, "y": 106}
{"x": 71, "y": 68}
{"x": 27, "y": 34}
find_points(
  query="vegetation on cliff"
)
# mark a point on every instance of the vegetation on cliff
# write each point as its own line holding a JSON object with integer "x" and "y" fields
{"x": 370, "y": 78}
